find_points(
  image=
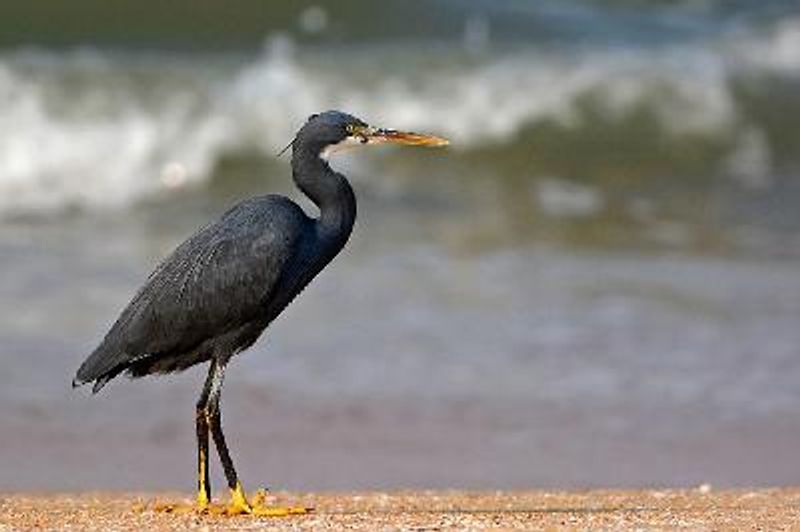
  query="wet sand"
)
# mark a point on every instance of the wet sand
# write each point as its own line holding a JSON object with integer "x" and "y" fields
{"x": 696, "y": 509}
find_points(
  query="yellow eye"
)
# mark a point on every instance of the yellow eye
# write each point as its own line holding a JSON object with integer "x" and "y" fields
{"x": 350, "y": 128}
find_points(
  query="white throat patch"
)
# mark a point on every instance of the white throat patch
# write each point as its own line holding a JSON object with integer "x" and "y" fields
{"x": 346, "y": 144}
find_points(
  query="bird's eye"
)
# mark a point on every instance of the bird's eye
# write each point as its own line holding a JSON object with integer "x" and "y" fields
{"x": 350, "y": 128}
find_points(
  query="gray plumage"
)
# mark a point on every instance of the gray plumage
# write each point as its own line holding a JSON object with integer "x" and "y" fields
{"x": 217, "y": 292}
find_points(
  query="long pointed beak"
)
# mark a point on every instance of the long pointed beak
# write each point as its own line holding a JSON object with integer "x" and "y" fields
{"x": 382, "y": 136}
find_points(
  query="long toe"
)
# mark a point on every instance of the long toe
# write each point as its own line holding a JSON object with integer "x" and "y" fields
{"x": 262, "y": 508}
{"x": 280, "y": 511}
{"x": 259, "y": 507}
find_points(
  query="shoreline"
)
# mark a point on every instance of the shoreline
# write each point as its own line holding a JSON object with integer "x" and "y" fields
{"x": 695, "y": 509}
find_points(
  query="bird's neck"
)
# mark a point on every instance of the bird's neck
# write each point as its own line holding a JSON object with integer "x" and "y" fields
{"x": 329, "y": 190}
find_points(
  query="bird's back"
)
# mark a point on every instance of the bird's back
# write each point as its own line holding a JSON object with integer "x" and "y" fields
{"x": 211, "y": 295}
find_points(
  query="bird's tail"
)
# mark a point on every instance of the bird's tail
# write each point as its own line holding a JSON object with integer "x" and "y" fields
{"x": 100, "y": 368}
{"x": 98, "y": 383}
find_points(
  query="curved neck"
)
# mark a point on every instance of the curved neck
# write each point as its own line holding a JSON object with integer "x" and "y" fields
{"x": 329, "y": 190}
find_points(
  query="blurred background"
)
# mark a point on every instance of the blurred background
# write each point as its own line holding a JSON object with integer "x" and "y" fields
{"x": 597, "y": 284}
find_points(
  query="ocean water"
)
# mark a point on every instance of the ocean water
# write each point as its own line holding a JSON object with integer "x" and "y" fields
{"x": 596, "y": 284}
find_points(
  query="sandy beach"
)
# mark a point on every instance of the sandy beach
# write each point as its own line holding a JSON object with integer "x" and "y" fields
{"x": 697, "y": 509}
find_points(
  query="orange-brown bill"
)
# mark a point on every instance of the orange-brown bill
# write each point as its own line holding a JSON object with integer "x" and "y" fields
{"x": 378, "y": 136}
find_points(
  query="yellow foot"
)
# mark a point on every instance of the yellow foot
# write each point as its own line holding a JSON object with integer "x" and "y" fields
{"x": 238, "y": 506}
{"x": 203, "y": 501}
{"x": 259, "y": 508}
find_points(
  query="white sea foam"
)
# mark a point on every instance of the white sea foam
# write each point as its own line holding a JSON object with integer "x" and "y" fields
{"x": 777, "y": 50}
{"x": 87, "y": 132}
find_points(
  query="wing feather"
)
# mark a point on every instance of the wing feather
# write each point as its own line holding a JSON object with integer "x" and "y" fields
{"x": 215, "y": 281}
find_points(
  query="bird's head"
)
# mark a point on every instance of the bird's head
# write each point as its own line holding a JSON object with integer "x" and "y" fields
{"x": 332, "y": 131}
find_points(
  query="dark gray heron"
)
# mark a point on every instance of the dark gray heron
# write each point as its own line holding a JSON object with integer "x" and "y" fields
{"x": 217, "y": 292}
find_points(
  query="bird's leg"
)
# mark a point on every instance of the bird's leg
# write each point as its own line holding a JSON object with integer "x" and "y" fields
{"x": 239, "y": 503}
{"x": 201, "y": 419}
{"x": 238, "y": 499}
{"x": 203, "y": 483}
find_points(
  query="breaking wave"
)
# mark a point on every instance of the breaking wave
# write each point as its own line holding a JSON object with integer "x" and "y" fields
{"x": 95, "y": 129}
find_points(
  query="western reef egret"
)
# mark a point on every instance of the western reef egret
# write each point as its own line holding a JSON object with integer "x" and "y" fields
{"x": 217, "y": 292}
